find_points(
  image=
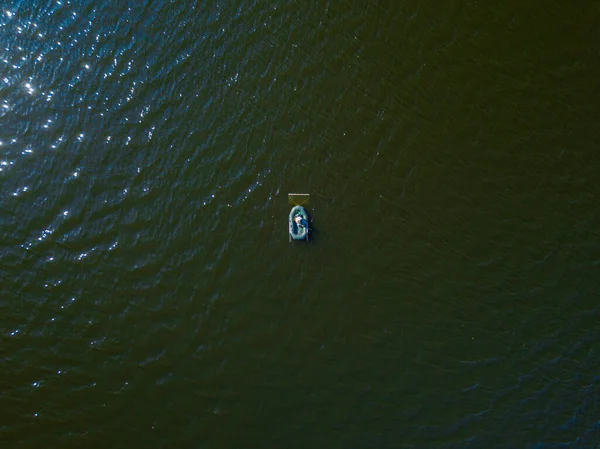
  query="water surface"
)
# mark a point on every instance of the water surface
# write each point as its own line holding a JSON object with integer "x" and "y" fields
{"x": 150, "y": 297}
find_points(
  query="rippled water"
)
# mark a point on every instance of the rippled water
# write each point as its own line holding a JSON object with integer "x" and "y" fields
{"x": 150, "y": 297}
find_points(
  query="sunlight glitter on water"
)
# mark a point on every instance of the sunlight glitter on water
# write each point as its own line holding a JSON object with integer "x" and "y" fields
{"x": 45, "y": 234}
{"x": 19, "y": 191}
{"x": 30, "y": 88}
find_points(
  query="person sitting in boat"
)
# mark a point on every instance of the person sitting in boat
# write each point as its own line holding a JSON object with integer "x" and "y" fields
{"x": 300, "y": 221}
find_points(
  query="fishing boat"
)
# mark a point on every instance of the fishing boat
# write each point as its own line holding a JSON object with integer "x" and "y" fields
{"x": 298, "y": 218}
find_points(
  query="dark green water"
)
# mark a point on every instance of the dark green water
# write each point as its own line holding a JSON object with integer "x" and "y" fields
{"x": 149, "y": 297}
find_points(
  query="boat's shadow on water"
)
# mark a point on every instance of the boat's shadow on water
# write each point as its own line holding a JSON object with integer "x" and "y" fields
{"x": 313, "y": 233}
